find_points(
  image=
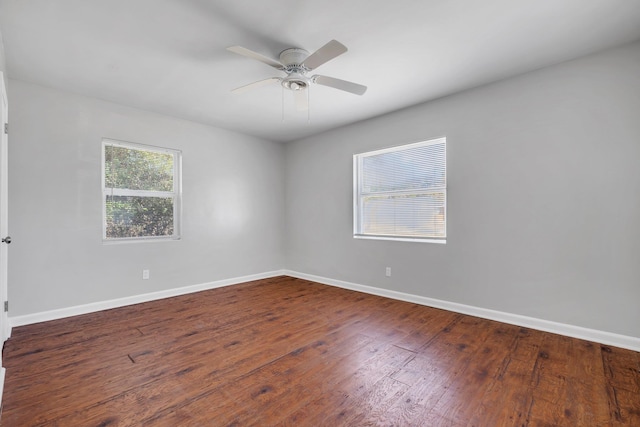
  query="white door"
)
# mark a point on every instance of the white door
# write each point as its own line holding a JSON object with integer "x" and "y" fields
{"x": 4, "y": 322}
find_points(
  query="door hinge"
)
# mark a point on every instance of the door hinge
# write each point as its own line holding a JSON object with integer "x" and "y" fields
{"x": 6, "y": 306}
{"x": 6, "y": 128}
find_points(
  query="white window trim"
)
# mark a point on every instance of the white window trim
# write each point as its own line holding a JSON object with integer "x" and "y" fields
{"x": 176, "y": 194}
{"x": 357, "y": 208}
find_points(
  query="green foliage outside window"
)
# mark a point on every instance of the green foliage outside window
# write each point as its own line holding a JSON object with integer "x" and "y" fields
{"x": 139, "y": 216}
{"x": 137, "y": 169}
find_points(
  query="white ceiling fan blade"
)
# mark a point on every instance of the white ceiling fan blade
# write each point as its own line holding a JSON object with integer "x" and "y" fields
{"x": 301, "y": 99}
{"x": 254, "y": 85}
{"x": 354, "y": 88}
{"x": 325, "y": 54}
{"x": 255, "y": 55}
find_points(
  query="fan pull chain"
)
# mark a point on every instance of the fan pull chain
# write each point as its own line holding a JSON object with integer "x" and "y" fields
{"x": 283, "y": 104}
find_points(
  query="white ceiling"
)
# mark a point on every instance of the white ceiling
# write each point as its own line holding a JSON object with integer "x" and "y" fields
{"x": 169, "y": 56}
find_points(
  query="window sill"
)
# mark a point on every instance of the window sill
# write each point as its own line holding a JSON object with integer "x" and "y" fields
{"x": 400, "y": 239}
{"x": 125, "y": 241}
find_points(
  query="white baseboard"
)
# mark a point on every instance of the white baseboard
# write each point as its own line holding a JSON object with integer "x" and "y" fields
{"x": 602, "y": 337}
{"x": 135, "y": 299}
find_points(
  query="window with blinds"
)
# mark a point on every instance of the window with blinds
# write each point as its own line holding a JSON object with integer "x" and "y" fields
{"x": 400, "y": 193}
{"x": 140, "y": 192}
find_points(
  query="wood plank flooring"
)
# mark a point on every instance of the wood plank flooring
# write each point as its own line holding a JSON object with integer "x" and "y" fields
{"x": 289, "y": 352}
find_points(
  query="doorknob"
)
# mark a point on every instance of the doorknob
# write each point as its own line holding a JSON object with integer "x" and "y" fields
{"x": 7, "y": 240}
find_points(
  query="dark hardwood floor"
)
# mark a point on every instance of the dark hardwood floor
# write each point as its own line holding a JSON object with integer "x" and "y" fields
{"x": 285, "y": 351}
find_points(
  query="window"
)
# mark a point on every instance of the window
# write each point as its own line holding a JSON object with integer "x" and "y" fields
{"x": 400, "y": 193}
{"x": 140, "y": 192}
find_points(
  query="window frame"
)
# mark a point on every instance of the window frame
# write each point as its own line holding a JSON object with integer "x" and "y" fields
{"x": 176, "y": 194}
{"x": 358, "y": 213}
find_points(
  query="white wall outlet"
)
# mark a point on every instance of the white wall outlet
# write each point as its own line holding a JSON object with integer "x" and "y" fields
{"x": 387, "y": 272}
{"x": 145, "y": 274}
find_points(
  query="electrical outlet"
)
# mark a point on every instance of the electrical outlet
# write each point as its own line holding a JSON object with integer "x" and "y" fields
{"x": 145, "y": 274}
{"x": 388, "y": 272}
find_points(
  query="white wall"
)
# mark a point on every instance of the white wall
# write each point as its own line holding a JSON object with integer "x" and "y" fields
{"x": 543, "y": 197}
{"x": 233, "y": 203}
{"x": 3, "y": 62}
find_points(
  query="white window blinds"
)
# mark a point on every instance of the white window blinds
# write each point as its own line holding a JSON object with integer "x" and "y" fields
{"x": 400, "y": 192}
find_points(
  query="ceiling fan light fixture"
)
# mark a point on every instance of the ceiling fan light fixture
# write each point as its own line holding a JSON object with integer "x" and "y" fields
{"x": 295, "y": 81}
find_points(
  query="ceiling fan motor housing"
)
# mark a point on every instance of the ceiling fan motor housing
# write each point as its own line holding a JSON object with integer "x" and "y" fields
{"x": 293, "y": 57}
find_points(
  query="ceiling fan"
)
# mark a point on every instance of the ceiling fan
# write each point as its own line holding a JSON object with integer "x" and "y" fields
{"x": 296, "y": 63}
